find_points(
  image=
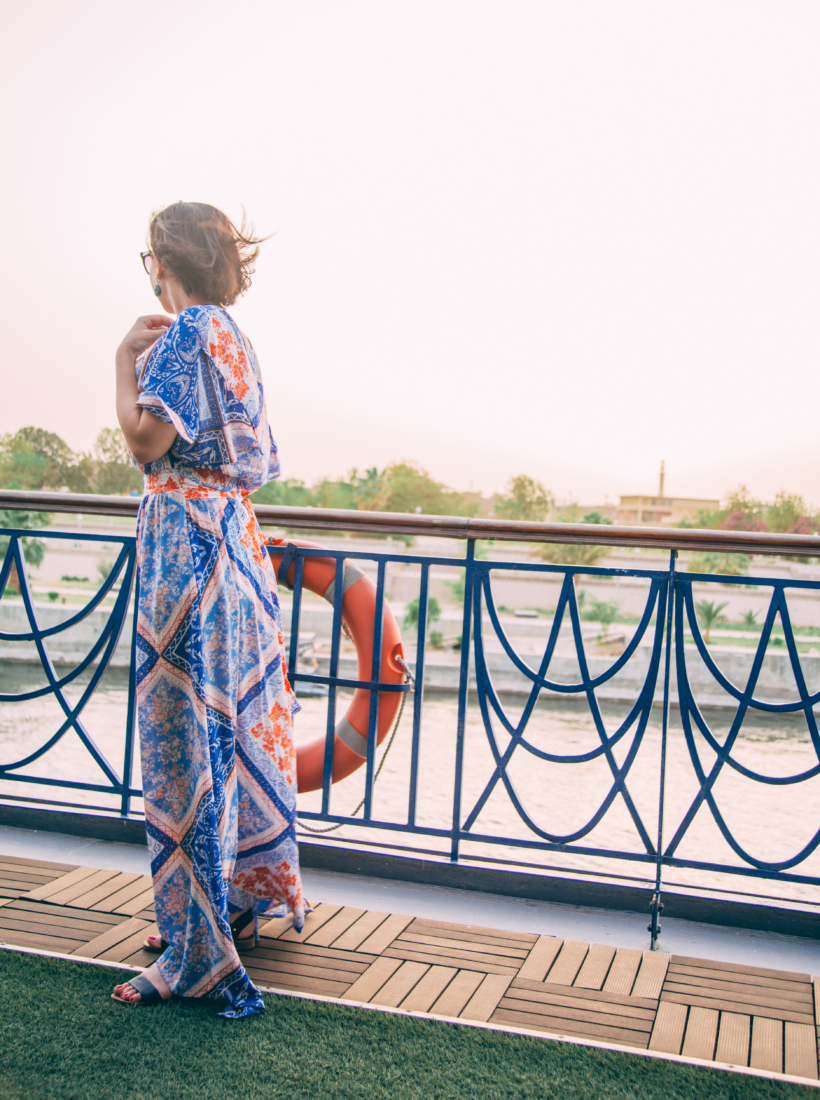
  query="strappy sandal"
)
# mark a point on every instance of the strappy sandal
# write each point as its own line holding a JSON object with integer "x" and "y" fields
{"x": 149, "y": 994}
{"x": 237, "y": 926}
{"x": 240, "y": 924}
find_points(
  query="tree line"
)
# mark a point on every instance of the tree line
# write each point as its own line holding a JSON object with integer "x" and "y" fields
{"x": 35, "y": 459}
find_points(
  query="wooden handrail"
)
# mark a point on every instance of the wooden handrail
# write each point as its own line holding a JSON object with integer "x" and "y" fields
{"x": 448, "y": 527}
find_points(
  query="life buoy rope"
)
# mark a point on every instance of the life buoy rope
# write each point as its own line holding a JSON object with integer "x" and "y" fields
{"x": 359, "y": 599}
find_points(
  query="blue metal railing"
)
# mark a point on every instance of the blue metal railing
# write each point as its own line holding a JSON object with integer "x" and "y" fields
{"x": 665, "y": 642}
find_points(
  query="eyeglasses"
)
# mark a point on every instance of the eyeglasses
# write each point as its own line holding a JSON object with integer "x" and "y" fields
{"x": 146, "y": 258}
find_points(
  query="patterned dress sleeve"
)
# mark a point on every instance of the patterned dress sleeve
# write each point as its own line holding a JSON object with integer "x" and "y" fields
{"x": 171, "y": 379}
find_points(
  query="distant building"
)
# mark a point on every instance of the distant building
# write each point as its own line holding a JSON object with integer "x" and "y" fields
{"x": 660, "y": 510}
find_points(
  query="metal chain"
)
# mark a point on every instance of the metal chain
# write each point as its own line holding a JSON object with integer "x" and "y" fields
{"x": 408, "y": 679}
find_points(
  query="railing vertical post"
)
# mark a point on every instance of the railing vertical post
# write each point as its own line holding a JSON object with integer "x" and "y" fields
{"x": 131, "y": 719}
{"x": 418, "y": 696}
{"x": 654, "y": 928}
{"x": 335, "y": 649}
{"x": 463, "y": 687}
{"x": 375, "y": 678}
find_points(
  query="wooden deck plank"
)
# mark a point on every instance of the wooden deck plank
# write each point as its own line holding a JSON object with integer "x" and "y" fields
{"x": 46, "y": 864}
{"x": 368, "y": 984}
{"x": 310, "y": 968}
{"x": 725, "y": 1005}
{"x": 120, "y": 951}
{"x": 595, "y": 968}
{"x": 701, "y": 1033}
{"x": 399, "y": 985}
{"x": 384, "y": 935}
{"x": 557, "y": 1025}
{"x": 800, "y": 1050}
{"x": 670, "y": 1024}
{"x": 358, "y": 932}
{"x": 721, "y": 977}
{"x": 141, "y": 958}
{"x": 332, "y": 929}
{"x": 123, "y": 890}
{"x": 141, "y": 901}
{"x": 111, "y": 937}
{"x": 67, "y": 894}
{"x": 486, "y": 999}
{"x": 62, "y": 882}
{"x": 23, "y": 905}
{"x": 302, "y": 952}
{"x": 9, "y": 926}
{"x": 297, "y": 983}
{"x": 313, "y": 922}
{"x": 566, "y": 966}
{"x": 624, "y": 969}
{"x": 424, "y": 927}
{"x": 599, "y": 995}
{"x": 767, "y": 1044}
{"x": 734, "y": 1031}
{"x": 442, "y": 927}
{"x": 737, "y": 968}
{"x": 424, "y": 995}
{"x": 23, "y": 917}
{"x": 86, "y": 900}
{"x": 437, "y": 955}
{"x": 747, "y": 994}
{"x": 517, "y": 1001}
{"x": 540, "y": 959}
{"x": 816, "y": 989}
{"x": 15, "y": 874}
{"x": 459, "y": 948}
{"x": 18, "y": 938}
{"x": 569, "y": 999}
{"x": 457, "y": 993}
{"x": 651, "y": 974}
{"x": 515, "y": 955}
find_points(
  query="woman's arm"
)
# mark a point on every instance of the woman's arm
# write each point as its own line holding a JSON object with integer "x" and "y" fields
{"x": 147, "y": 436}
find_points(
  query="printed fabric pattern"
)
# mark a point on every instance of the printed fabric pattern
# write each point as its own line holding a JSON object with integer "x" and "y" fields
{"x": 215, "y": 707}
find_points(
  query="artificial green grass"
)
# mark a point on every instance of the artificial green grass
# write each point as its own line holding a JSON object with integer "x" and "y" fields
{"x": 63, "y": 1039}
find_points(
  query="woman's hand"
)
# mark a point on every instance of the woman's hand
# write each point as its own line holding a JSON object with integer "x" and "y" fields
{"x": 144, "y": 331}
{"x": 147, "y": 436}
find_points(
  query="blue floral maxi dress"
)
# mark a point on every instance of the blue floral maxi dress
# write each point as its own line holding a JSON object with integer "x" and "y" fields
{"x": 214, "y": 703}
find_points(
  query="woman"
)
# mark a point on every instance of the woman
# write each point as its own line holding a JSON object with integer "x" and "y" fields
{"x": 214, "y": 703}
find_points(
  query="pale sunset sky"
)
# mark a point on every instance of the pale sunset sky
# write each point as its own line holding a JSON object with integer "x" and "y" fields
{"x": 561, "y": 237}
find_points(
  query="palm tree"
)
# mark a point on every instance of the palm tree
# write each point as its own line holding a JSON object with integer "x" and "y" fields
{"x": 709, "y": 613}
{"x": 749, "y": 619}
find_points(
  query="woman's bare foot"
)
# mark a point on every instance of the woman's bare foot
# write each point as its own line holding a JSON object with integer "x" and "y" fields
{"x": 127, "y": 992}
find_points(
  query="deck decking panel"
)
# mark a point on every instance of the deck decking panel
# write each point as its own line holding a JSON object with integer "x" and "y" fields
{"x": 800, "y": 1050}
{"x": 424, "y": 995}
{"x": 624, "y": 970}
{"x": 701, "y": 1033}
{"x": 724, "y": 1005}
{"x": 457, "y": 993}
{"x": 767, "y": 1044}
{"x": 734, "y": 1032}
{"x": 568, "y": 962}
{"x": 735, "y": 1014}
{"x": 462, "y": 959}
{"x": 561, "y": 1025}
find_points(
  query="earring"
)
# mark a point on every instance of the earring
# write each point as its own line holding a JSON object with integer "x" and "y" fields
{"x": 157, "y": 289}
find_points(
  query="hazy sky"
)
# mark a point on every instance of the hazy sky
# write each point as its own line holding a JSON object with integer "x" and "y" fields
{"x": 563, "y": 238}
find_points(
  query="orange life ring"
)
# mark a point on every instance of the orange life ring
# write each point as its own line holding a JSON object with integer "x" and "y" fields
{"x": 358, "y": 612}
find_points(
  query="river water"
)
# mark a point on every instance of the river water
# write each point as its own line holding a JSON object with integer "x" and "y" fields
{"x": 769, "y": 822}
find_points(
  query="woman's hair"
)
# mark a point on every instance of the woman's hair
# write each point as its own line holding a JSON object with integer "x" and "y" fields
{"x": 204, "y": 250}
